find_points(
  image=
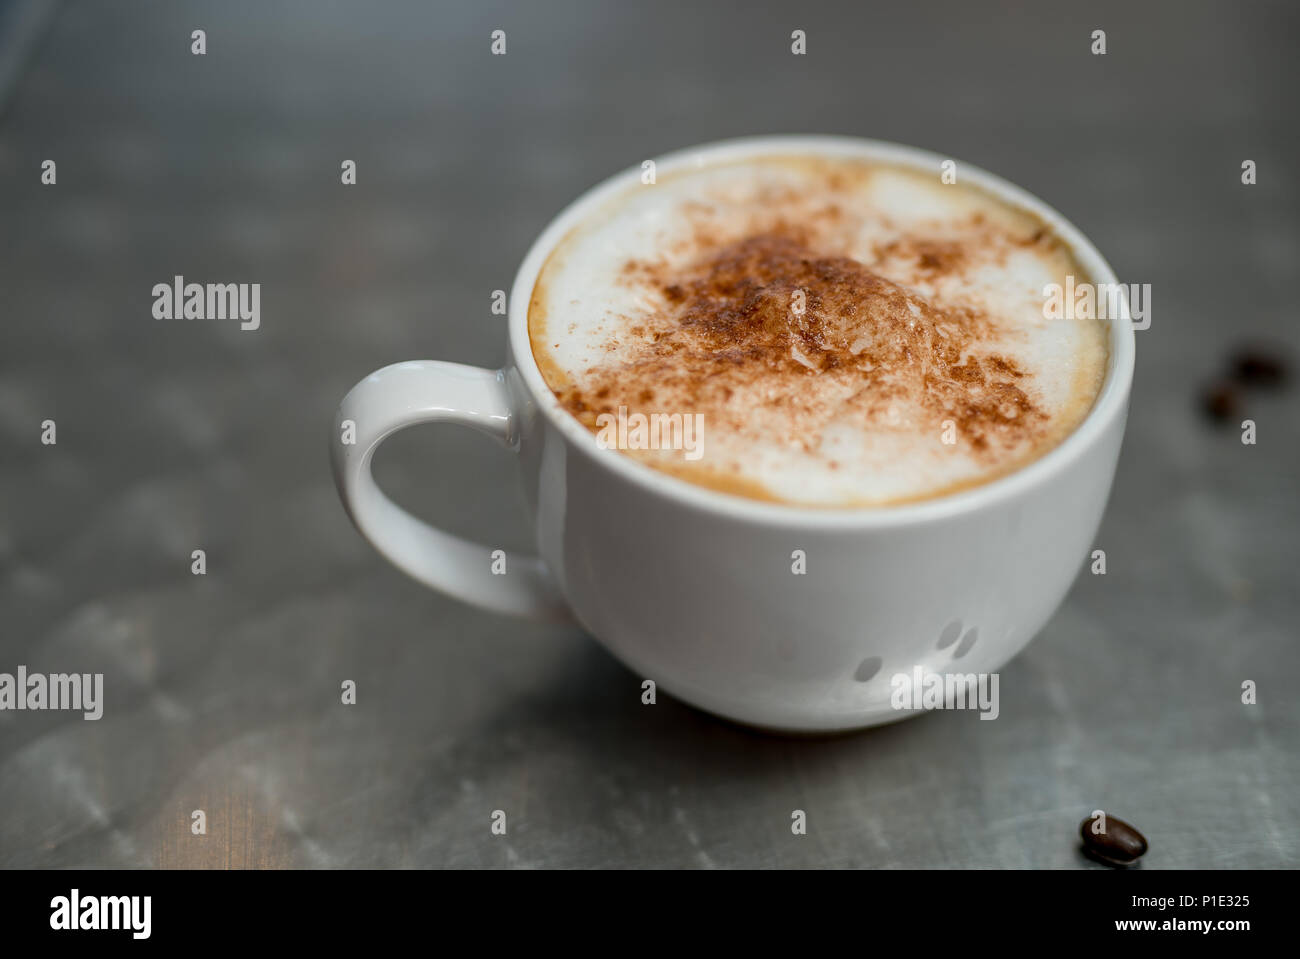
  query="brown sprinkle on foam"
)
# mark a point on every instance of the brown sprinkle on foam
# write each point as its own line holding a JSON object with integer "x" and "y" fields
{"x": 730, "y": 337}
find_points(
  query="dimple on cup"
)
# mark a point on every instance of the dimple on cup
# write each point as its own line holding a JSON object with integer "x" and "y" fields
{"x": 694, "y": 588}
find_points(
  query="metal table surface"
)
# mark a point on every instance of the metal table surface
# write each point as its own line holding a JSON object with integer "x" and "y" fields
{"x": 222, "y": 691}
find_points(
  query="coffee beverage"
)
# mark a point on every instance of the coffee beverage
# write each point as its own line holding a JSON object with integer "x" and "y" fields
{"x": 844, "y": 333}
{"x": 815, "y": 322}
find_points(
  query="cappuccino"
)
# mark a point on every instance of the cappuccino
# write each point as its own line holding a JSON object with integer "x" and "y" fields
{"x": 845, "y": 333}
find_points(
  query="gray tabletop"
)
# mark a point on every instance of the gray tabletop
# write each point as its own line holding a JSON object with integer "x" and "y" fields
{"x": 222, "y": 691}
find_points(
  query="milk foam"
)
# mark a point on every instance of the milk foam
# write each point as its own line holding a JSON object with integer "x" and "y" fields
{"x": 621, "y": 317}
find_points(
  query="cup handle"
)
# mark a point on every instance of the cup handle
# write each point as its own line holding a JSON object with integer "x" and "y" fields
{"x": 428, "y": 391}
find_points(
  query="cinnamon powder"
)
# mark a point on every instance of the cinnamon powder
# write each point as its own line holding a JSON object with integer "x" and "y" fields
{"x": 766, "y": 321}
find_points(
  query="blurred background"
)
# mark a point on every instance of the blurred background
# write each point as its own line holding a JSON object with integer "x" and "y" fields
{"x": 222, "y": 690}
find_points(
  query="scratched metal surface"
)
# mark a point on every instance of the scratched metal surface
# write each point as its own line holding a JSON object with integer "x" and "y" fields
{"x": 222, "y": 691}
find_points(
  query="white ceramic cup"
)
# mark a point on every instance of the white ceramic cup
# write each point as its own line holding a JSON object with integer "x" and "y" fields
{"x": 694, "y": 588}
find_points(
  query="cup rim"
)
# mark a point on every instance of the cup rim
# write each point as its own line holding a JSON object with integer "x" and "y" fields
{"x": 1110, "y": 403}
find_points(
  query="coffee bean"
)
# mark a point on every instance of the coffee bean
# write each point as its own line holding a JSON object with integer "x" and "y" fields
{"x": 1221, "y": 401}
{"x": 1253, "y": 366}
{"x": 1118, "y": 844}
